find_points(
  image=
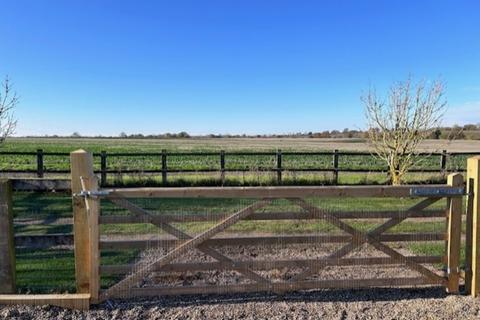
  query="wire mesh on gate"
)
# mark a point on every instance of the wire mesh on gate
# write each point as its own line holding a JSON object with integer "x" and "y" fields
{"x": 43, "y": 229}
{"x": 284, "y": 244}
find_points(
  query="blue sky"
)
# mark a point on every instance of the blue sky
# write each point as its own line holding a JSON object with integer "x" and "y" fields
{"x": 102, "y": 67}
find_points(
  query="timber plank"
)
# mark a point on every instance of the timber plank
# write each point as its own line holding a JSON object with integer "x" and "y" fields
{"x": 270, "y": 264}
{"x": 267, "y": 240}
{"x": 270, "y": 192}
{"x": 201, "y": 217}
{"x": 279, "y": 286}
{"x": 79, "y": 301}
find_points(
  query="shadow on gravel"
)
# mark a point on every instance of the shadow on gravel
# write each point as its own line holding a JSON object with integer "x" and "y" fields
{"x": 356, "y": 295}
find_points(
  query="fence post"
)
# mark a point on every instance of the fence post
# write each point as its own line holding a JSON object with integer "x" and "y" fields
{"x": 85, "y": 224}
{"x": 443, "y": 162}
{"x": 40, "y": 163}
{"x": 279, "y": 166}
{"x": 164, "y": 167}
{"x": 222, "y": 167}
{"x": 335, "y": 167}
{"x": 454, "y": 205}
{"x": 473, "y": 184}
{"x": 7, "y": 244}
{"x": 103, "y": 168}
{"x": 468, "y": 237}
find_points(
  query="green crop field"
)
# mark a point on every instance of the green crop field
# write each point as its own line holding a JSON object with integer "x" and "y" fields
{"x": 216, "y": 144}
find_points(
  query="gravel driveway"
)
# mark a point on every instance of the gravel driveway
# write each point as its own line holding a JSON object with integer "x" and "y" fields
{"x": 424, "y": 303}
{"x": 379, "y": 303}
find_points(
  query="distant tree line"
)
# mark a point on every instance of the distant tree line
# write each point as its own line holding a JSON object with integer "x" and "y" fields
{"x": 466, "y": 132}
{"x": 168, "y": 135}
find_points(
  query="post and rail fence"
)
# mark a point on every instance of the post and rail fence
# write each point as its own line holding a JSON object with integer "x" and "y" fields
{"x": 87, "y": 193}
{"x": 44, "y": 166}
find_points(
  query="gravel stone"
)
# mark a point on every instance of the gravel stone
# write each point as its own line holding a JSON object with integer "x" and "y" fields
{"x": 379, "y": 303}
{"x": 422, "y": 303}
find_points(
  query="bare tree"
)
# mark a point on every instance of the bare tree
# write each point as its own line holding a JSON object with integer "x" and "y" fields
{"x": 397, "y": 127}
{"x": 8, "y": 101}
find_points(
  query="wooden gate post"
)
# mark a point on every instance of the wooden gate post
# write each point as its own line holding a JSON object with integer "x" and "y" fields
{"x": 7, "y": 245}
{"x": 472, "y": 282}
{"x": 85, "y": 220}
{"x": 454, "y": 205}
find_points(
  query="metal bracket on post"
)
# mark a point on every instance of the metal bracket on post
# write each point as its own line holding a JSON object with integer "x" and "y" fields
{"x": 86, "y": 194}
{"x": 92, "y": 194}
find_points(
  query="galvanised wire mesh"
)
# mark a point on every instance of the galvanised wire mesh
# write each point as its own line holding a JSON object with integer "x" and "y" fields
{"x": 278, "y": 247}
{"x": 44, "y": 244}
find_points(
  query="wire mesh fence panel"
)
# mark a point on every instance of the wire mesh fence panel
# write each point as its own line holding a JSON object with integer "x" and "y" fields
{"x": 162, "y": 246}
{"x": 44, "y": 264}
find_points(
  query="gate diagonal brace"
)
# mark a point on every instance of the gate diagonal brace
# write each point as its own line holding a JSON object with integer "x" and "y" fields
{"x": 359, "y": 238}
{"x": 165, "y": 226}
{"x": 193, "y": 243}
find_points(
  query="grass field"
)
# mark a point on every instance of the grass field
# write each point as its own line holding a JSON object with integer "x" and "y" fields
{"x": 216, "y": 144}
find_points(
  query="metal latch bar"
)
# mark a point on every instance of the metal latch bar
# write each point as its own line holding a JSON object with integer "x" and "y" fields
{"x": 92, "y": 194}
{"x": 437, "y": 192}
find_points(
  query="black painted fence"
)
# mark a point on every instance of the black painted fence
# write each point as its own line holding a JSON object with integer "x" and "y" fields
{"x": 103, "y": 169}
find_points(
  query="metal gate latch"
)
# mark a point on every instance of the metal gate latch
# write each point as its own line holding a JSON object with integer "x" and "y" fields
{"x": 92, "y": 194}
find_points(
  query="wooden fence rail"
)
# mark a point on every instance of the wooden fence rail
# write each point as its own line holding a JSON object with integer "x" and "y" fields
{"x": 41, "y": 169}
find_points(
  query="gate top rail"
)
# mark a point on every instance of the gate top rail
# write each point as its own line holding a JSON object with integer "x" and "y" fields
{"x": 286, "y": 192}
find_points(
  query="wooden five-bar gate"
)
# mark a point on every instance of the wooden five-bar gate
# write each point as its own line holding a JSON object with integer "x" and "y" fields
{"x": 168, "y": 252}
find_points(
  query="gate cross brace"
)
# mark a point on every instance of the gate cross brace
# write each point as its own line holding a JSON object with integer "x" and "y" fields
{"x": 162, "y": 223}
{"x": 182, "y": 248}
{"x": 358, "y": 238}
{"x": 375, "y": 232}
